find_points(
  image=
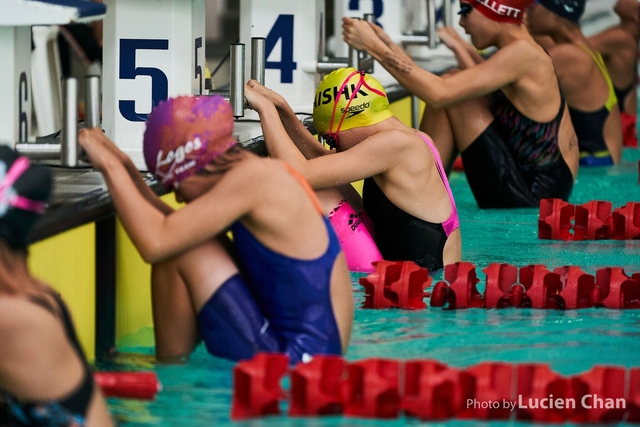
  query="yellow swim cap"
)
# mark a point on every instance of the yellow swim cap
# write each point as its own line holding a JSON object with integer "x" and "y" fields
{"x": 347, "y": 98}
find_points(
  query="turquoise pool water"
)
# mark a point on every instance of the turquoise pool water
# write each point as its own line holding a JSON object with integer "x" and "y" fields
{"x": 199, "y": 394}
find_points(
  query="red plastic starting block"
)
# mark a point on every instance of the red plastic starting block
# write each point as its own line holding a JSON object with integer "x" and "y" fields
{"x": 579, "y": 288}
{"x": 461, "y": 291}
{"x": 617, "y": 290}
{"x": 256, "y": 385}
{"x": 626, "y": 222}
{"x": 592, "y": 221}
{"x": 371, "y": 389}
{"x": 540, "y": 390}
{"x": 542, "y": 286}
{"x": 494, "y": 392}
{"x": 128, "y": 385}
{"x": 599, "y": 395}
{"x": 316, "y": 386}
{"x": 396, "y": 284}
{"x": 435, "y": 391}
{"x": 554, "y": 220}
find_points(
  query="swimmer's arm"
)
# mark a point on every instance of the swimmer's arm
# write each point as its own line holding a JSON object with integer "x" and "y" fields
{"x": 506, "y": 66}
{"x": 308, "y": 145}
{"x": 301, "y": 137}
{"x": 276, "y": 138}
{"x": 466, "y": 54}
{"x": 466, "y": 58}
{"x": 144, "y": 188}
{"x": 133, "y": 172}
{"x": 152, "y": 232}
{"x": 370, "y": 157}
{"x": 143, "y": 221}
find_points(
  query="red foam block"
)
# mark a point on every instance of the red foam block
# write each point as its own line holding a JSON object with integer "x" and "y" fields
{"x": 578, "y": 288}
{"x": 626, "y": 222}
{"x": 256, "y": 385}
{"x": 493, "y": 386}
{"x": 591, "y": 221}
{"x": 461, "y": 291}
{"x": 435, "y": 391}
{"x": 539, "y": 390}
{"x": 554, "y": 220}
{"x": 502, "y": 288}
{"x": 371, "y": 389}
{"x": 599, "y": 395}
{"x": 396, "y": 284}
{"x": 616, "y": 289}
{"x": 128, "y": 385}
{"x": 542, "y": 286}
{"x": 633, "y": 398}
{"x": 316, "y": 386}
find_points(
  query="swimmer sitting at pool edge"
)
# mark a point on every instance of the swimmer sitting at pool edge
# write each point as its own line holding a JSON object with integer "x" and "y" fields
{"x": 406, "y": 192}
{"x": 290, "y": 290}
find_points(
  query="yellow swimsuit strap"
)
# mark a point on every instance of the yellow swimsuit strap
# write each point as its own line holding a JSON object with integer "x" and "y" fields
{"x": 612, "y": 100}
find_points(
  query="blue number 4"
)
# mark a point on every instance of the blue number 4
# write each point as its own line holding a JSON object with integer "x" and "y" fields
{"x": 282, "y": 30}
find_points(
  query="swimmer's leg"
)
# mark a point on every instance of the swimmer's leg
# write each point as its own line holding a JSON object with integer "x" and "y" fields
{"x": 468, "y": 120}
{"x": 436, "y": 124}
{"x": 455, "y": 127}
{"x": 180, "y": 287}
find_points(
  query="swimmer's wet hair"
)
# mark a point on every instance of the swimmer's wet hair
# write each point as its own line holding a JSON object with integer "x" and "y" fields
{"x": 34, "y": 185}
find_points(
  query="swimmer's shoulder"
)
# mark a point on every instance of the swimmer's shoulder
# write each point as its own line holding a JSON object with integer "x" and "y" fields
{"x": 568, "y": 53}
{"x": 259, "y": 174}
{"x": 613, "y": 41}
{"x": 22, "y": 320}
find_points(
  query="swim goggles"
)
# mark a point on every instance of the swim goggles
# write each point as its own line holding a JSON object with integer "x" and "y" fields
{"x": 9, "y": 197}
{"x": 465, "y": 9}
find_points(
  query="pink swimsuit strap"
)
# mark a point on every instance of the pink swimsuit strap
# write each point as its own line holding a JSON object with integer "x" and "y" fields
{"x": 452, "y": 223}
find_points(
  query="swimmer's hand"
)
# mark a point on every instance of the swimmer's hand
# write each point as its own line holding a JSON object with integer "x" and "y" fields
{"x": 99, "y": 149}
{"x": 256, "y": 100}
{"x": 450, "y": 37}
{"x": 274, "y": 97}
{"x": 361, "y": 35}
{"x": 382, "y": 35}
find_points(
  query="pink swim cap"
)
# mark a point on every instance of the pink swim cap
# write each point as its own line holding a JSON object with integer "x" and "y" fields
{"x": 183, "y": 134}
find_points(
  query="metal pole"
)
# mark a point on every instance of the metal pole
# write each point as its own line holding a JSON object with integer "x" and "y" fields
{"x": 92, "y": 101}
{"x": 447, "y": 13}
{"x": 258, "y": 58}
{"x": 236, "y": 84}
{"x": 69, "y": 138}
{"x": 415, "y": 109}
{"x": 431, "y": 19}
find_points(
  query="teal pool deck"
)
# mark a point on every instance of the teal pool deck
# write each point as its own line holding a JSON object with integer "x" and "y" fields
{"x": 199, "y": 393}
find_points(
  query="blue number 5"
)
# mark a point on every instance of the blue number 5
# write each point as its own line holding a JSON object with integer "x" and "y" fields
{"x": 129, "y": 71}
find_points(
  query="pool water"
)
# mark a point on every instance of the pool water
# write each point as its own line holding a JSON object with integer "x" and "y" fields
{"x": 199, "y": 393}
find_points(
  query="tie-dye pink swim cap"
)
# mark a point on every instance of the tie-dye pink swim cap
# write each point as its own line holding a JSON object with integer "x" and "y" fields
{"x": 185, "y": 133}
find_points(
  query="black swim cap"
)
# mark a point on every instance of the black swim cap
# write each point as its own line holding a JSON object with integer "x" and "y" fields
{"x": 24, "y": 191}
{"x": 571, "y": 10}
